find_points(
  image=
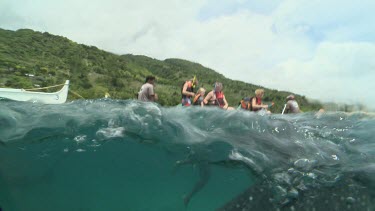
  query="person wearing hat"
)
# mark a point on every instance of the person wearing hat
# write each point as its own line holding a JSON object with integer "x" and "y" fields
{"x": 292, "y": 105}
{"x": 147, "y": 93}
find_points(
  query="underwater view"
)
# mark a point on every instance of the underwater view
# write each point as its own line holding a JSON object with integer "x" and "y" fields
{"x": 94, "y": 155}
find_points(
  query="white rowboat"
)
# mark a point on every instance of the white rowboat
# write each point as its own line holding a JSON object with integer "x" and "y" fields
{"x": 58, "y": 97}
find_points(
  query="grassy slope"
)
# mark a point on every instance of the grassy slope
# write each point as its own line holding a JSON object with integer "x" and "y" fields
{"x": 53, "y": 59}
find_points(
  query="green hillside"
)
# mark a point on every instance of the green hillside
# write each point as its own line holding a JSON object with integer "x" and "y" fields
{"x": 52, "y": 59}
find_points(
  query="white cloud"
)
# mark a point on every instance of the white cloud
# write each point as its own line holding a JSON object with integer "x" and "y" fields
{"x": 338, "y": 72}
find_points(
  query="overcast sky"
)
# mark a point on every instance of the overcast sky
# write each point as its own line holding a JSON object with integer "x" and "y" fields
{"x": 323, "y": 49}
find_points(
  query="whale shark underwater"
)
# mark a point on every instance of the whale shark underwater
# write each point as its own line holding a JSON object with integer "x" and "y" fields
{"x": 300, "y": 188}
{"x": 347, "y": 194}
{"x": 299, "y": 162}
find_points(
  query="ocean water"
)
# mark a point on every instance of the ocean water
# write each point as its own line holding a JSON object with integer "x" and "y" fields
{"x": 102, "y": 154}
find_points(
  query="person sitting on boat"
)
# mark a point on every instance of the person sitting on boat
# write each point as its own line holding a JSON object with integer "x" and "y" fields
{"x": 245, "y": 104}
{"x": 187, "y": 91}
{"x": 217, "y": 98}
{"x": 256, "y": 102}
{"x": 147, "y": 93}
{"x": 291, "y": 105}
{"x": 199, "y": 97}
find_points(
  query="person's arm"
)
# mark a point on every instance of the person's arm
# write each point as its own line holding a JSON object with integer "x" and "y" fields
{"x": 270, "y": 105}
{"x": 207, "y": 98}
{"x": 156, "y": 97}
{"x": 254, "y": 104}
{"x": 201, "y": 98}
{"x": 184, "y": 92}
{"x": 225, "y": 103}
{"x": 287, "y": 108}
{"x": 151, "y": 93}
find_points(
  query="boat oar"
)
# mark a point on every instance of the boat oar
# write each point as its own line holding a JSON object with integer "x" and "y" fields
{"x": 283, "y": 109}
{"x": 76, "y": 94}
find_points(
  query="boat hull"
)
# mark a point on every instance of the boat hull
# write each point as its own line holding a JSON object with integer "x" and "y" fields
{"x": 58, "y": 97}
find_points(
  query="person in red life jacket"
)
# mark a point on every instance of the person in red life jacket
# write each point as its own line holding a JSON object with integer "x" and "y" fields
{"x": 217, "y": 98}
{"x": 199, "y": 97}
{"x": 256, "y": 102}
{"x": 245, "y": 104}
{"x": 188, "y": 91}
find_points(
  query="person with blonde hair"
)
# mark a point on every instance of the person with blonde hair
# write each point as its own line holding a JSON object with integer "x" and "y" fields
{"x": 256, "y": 102}
{"x": 199, "y": 97}
{"x": 187, "y": 91}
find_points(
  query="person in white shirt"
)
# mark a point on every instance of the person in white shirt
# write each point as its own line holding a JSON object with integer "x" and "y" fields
{"x": 147, "y": 93}
{"x": 292, "y": 105}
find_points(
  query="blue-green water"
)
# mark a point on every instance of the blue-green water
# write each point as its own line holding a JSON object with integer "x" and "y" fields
{"x": 128, "y": 155}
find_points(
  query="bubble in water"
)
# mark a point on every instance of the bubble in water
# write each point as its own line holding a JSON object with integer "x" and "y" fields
{"x": 350, "y": 200}
{"x": 311, "y": 175}
{"x": 303, "y": 164}
{"x": 280, "y": 193}
{"x": 80, "y": 138}
{"x": 282, "y": 178}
